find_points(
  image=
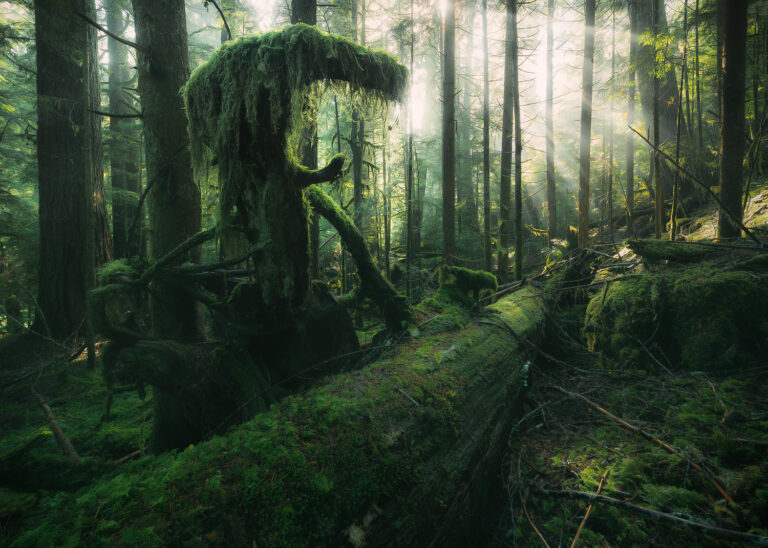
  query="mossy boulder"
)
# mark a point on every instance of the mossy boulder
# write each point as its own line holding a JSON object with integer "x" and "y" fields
{"x": 697, "y": 318}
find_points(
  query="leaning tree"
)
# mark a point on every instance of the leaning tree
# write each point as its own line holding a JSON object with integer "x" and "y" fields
{"x": 273, "y": 327}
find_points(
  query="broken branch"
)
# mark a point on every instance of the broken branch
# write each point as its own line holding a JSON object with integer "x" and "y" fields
{"x": 110, "y": 34}
{"x": 61, "y": 438}
{"x": 306, "y": 177}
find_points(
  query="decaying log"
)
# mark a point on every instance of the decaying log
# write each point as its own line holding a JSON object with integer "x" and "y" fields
{"x": 404, "y": 452}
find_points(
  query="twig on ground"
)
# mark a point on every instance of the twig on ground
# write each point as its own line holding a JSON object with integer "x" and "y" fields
{"x": 686, "y": 524}
{"x": 533, "y": 526}
{"x": 129, "y": 456}
{"x": 589, "y": 511}
{"x": 664, "y": 445}
{"x": 61, "y": 439}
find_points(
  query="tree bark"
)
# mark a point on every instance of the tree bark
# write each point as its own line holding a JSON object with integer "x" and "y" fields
{"x": 174, "y": 197}
{"x": 65, "y": 174}
{"x": 733, "y": 126}
{"x": 102, "y": 236}
{"x": 449, "y": 137}
{"x": 586, "y": 122}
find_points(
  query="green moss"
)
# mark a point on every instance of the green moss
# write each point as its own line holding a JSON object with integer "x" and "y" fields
{"x": 695, "y": 318}
{"x": 310, "y": 467}
{"x": 245, "y": 107}
{"x": 663, "y": 250}
{"x": 259, "y": 84}
{"x": 467, "y": 280}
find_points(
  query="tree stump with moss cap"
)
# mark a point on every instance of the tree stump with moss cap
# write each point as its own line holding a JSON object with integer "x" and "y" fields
{"x": 245, "y": 108}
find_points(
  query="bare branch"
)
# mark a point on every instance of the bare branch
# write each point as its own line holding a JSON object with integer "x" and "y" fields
{"x": 110, "y": 34}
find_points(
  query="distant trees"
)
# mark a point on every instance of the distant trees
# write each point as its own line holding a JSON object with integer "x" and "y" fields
{"x": 123, "y": 140}
{"x": 487, "y": 253}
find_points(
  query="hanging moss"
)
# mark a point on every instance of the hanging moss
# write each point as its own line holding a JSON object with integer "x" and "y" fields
{"x": 245, "y": 107}
{"x": 258, "y": 85}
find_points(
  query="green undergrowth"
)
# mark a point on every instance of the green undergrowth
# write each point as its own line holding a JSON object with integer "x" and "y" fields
{"x": 720, "y": 424}
{"x": 29, "y": 455}
{"x": 706, "y": 316}
{"x": 300, "y": 474}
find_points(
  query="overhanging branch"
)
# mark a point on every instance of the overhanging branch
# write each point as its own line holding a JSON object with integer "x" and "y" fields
{"x": 109, "y": 33}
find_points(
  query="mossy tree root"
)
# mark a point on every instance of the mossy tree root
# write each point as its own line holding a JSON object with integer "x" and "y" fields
{"x": 376, "y": 287}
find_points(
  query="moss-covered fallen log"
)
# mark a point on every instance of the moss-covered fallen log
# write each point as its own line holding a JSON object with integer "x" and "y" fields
{"x": 404, "y": 452}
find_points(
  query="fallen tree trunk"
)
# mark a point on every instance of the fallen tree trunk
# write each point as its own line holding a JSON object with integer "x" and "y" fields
{"x": 405, "y": 452}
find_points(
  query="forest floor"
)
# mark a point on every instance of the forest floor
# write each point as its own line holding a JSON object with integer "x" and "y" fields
{"x": 662, "y": 442}
{"x": 676, "y": 444}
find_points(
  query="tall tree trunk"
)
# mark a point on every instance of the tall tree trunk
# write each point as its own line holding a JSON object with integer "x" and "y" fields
{"x": 65, "y": 173}
{"x": 586, "y": 122}
{"x": 549, "y": 121}
{"x": 610, "y": 127}
{"x": 699, "y": 112}
{"x": 630, "y": 135}
{"x": 659, "y": 215}
{"x": 409, "y": 243}
{"x": 507, "y": 120}
{"x": 641, "y": 13}
{"x": 174, "y": 197}
{"x": 387, "y": 207}
{"x": 305, "y": 11}
{"x": 467, "y": 221}
{"x": 487, "y": 252}
{"x": 518, "y": 149}
{"x": 123, "y": 151}
{"x": 733, "y": 127}
{"x": 449, "y": 137}
{"x": 102, "y": 236}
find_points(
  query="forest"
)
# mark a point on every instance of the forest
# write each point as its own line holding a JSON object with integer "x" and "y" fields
{"x": 383, "y": 273}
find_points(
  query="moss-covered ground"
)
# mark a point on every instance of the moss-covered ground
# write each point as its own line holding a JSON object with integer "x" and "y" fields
{"x": 719, "y": 423}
